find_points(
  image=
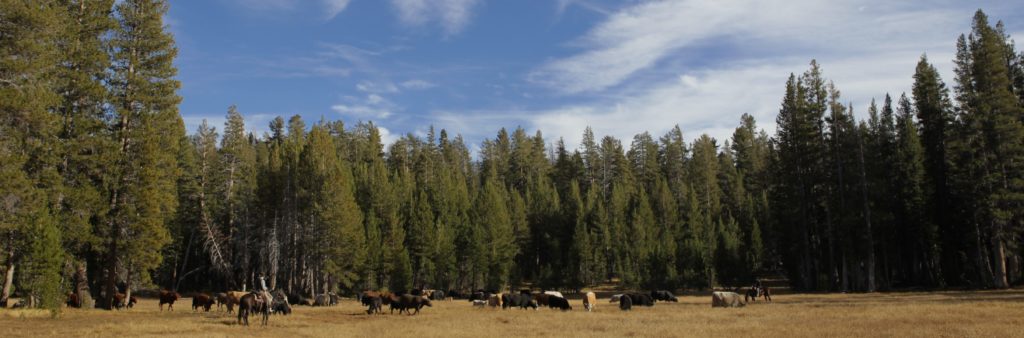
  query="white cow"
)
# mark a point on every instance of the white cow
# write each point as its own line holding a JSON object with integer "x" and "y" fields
{"x": 554, "y": 293}
{"x": 726, "y": 299}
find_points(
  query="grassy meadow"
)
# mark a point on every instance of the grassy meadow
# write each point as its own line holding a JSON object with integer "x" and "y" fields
{"x": 938, "y": 314}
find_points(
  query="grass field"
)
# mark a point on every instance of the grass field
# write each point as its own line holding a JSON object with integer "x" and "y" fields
{"x": 939, "y": 314}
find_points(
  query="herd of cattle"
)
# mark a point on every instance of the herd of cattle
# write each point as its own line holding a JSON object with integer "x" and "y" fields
{"x": 277, "y": 302}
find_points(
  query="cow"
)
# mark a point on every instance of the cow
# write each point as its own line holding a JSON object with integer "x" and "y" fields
{"x": 119, "y": 301}
{"x": 252, "y": 303}
{"x": 522, "y": 301}
{"x": 168, "y": 297}
{"x": 554, "y": 293}
{"x": 73, "y": 300}
{"x": 394, "y": 302}
{"x": 751, "y": 294}
{"x": 625, "y": 303}
{"x": 560, "y": 303}
{"x": 453, "y": 294}
{"x": 541, "y": 298}
{"x": 375, "y": 304}
{"x": 322, "y": 300}
{"x": 479, "y": 303}
{"x": 437, "y": 295}
{"x": 333, "y": 298}
{"x": 280, "y": 304}
{"x": 221, "y": 298}
{"x": 202, "y": 300}
{"x": 409, "y": 303}
{"x": 664, "y": 296}
{"x": 233, "y": 297}
{"x": 589, "y": 301}
{"x": 494, "y": 300}
{"x": 726, "y": 299}
{"x": 640, "y": 299}
{"x": 479, "y": 295}
{"x": 615, "y": 298}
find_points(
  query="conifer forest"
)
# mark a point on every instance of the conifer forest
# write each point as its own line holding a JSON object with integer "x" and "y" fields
{"x": 103, "y": 190}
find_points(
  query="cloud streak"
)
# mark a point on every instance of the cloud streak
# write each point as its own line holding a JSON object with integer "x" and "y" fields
{"x": 451, "y": 15}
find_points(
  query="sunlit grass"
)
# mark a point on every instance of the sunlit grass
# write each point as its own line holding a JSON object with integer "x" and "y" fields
{"x": 953, "y": 314}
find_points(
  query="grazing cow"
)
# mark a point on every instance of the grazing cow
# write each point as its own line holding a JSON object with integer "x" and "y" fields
{"x": 73, "y": 300}
{"x": 541, "y": 298}
{"x": 479, "y": 303}
{"x": 221, "y": 298}
{"x": 279, "y": 303}
{"x": 202, "y": 300}
{"x": 589, "y": 301}
{"x": 615, "y": 298}
{"x": 640, "y": 299}
{"x": 664, "y": 296}
{"x": 494, "y": 301}
{"x": 375, "y": 305}
{"x": 411, "y": 302}
{"x": 252, "y": 303}
{"x": 322, "y": 300}
{"x": 168, "y": 297}
{"x": 726, "y": 299}
{"x": 560, "y": 303}
{"x": 625, "y": 303}
{"x": 521, "y": 301}
{"x": 554, "y": 293}
{"x": 233, "y": 298}
{"x": 437, "y": 295}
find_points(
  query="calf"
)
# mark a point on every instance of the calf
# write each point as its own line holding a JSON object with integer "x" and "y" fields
{"x": 202, "y": 300}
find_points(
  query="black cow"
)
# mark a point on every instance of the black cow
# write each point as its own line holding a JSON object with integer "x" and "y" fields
{"x": 375, "y": 304}
{"x": 437, "y": 295}
{"x": 640, "y": 299}
{"x": 522, "y": 301}
{"x": 280, "y": 303}
{"x": 408, "y": 303}
{"x": 455, "y": 294}
{"x": 625, "y": 303}
{"x": 556, "y": 302}
{"x": 664, "y": 296}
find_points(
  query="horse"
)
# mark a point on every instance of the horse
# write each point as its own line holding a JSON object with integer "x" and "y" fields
{"x": 250, "y": 303}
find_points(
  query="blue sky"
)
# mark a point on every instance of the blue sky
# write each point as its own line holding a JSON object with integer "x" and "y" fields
{"x": 621, "y": 67}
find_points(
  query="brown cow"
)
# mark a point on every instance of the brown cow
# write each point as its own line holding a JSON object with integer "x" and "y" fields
{"x": 202, "y": 300}
{"x": 168, "y": 297}
{"x": 221, "y": 298}
{"x": 233, "y": 297}
{"x": 590, "y": 301}
{"x": 73, "y": 300}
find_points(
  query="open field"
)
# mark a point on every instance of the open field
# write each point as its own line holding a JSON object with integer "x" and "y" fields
{"x": 940, "y": 314}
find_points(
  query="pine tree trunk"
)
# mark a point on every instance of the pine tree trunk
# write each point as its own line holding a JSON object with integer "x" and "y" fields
{"x": 870, "y": 238}
{"x": 128, "y": 287}
{"x": 999, "y": 263}
{"x": 8, "y": 280}
{"x": 82, "y": 286}
{"x": 111, "y": 284}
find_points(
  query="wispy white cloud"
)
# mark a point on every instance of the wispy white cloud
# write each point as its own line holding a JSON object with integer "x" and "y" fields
{"x": 647, "y": 35}
{"x": 417, "y": 84}
{"x": 334, "y": 7}
{"x": 380, "y": 87}
{"x": 451, "y": 15}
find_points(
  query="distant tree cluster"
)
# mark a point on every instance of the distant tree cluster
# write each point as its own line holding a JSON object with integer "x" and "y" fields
{"x": 102, "y": 191}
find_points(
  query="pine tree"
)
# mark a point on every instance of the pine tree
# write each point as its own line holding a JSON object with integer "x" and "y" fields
{"x": 935, "y": 115}
{"x": 918, "y": 229}
{"x": 147, "y": 130}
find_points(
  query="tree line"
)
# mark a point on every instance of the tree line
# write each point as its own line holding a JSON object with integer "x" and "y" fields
{"x": 103, "y": 191}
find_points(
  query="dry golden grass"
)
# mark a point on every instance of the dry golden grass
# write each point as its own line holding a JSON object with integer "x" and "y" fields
{"x": 940, "y": 314}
